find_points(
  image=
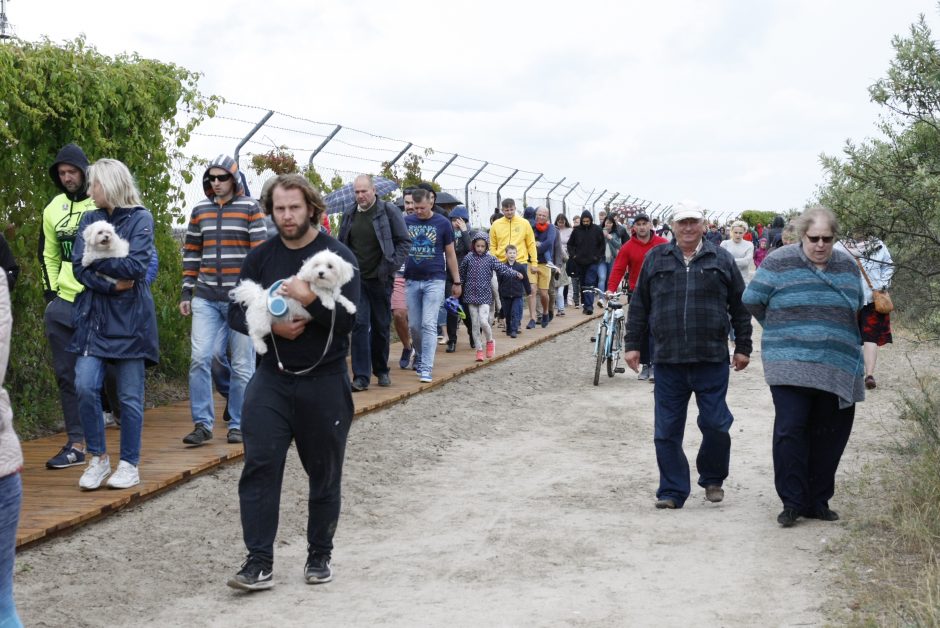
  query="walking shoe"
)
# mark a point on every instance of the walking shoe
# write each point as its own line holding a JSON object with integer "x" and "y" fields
{"x": 545, "y": 320}
{"x": 473, "y": 345}
{"x": 384, "y": 380}
{"x": 108, "y": 419}
{"x": 652, "y": 377}
{"x": 359, "y": 384}
{"x": 714, "y": 493}
{"x": 870, "y": 382}
{"x": 531, "y": 324}
{"x": 451, "y": 346}
{"x": 425, "y": 377}
{"x": 125, "y": 476}
{"x": 405, "y": 359}
{"x": 235, "y": 436}
{"x": 788, "y": 517}
{"x": 440, "y": 339}
{"x": 513, "y": 334}
{"x": 490, "y": 348}
{"x": 644, "y": 373}
{"x": 588, "y": 312}
{"x": 561, "y": 312}
{"x": 823, "y": 514}
{"x": 254, "y": 576}
{"x": 318, "y": 569}
{"x": 666, "y": 503}
{"x": 68, "y": 456}
{"x": 479, "y": 355}
{"x": 95, "y": 473}
{"x": 199, "y": 435}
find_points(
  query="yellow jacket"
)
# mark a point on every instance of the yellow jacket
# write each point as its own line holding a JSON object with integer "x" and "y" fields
{"x": 517, "y": 232}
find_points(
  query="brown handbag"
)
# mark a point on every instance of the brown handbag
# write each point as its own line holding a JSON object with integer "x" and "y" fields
{"x": 880, "y": 298}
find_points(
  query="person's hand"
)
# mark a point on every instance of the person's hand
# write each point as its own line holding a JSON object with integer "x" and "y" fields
{"x": 740, "y": 361}
{"x": 460, "y": 224}
{"x": 290, "y": 329}
{"x": 186, "y": 308}
{"x": 518, "y": 275}
{"x": 123, "y": 284}
{"x": 633, "y": 360}
{"x": 298, "y": 290}
{"x": 456, "y": 290}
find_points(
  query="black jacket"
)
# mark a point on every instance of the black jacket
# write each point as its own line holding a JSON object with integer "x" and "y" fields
{"x": 587, "y": 244}
{"x": 391, "y": 232}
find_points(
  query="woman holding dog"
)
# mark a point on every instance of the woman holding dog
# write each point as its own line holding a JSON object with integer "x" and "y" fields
{"x": 115, "y": 320}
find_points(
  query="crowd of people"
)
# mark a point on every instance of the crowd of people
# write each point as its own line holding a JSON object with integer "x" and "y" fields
{"x": 422, "y": 268}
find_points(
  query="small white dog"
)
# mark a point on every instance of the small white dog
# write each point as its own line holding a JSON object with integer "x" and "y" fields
{"x": 326, "y": 273}
{"x": 101, "y": 241}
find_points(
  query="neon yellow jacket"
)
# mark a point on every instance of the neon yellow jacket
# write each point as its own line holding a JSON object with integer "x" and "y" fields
{"x": 517, "y": 232}
{"x": 59, "y": 224}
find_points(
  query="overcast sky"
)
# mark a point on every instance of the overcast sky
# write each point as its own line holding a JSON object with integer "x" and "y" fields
{"x": 727, "y": 102}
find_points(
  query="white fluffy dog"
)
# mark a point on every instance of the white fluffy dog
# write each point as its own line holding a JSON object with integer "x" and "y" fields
{"x": 326, "y": 273}
{"x": 102, "y": 241}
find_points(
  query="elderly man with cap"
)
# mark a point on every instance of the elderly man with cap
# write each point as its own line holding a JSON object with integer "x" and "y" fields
{"x": 687, "y": 293}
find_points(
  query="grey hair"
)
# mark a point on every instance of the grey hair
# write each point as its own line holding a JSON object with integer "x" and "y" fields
{"x": 815, "y": 213}
{"x": 116, "y": 183}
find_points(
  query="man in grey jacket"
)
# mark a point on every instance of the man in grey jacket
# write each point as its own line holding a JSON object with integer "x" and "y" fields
{"x": 375, "y": 232}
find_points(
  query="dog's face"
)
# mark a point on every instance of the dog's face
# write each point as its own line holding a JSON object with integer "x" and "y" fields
{"x": 327, "y": 270}
{"x": 100, "y": 236}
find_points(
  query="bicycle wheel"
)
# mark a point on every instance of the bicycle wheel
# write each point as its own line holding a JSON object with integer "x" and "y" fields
{"x": 601, "y": 352}
{"x": 614, "y": 349}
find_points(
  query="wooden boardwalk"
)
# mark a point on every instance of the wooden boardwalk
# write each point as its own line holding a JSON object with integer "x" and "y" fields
{"x": 53, "y": 503}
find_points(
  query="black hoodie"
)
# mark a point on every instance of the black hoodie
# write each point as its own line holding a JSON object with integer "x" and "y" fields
{"x": 71, "y": 155}
{"x": 587, "y": 244}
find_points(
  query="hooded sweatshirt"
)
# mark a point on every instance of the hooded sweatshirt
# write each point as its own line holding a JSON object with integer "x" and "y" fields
{"x": 476, "y": 273}
{"x": 219, "y": 235}
{"x": 60, "y": 221}
{"x": 587, "y": 244}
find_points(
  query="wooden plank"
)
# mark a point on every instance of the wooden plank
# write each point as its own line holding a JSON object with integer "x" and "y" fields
{"x": 53, "y": 503}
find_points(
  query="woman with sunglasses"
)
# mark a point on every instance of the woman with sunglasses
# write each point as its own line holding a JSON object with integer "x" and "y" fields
{"x": 805, "y": 296}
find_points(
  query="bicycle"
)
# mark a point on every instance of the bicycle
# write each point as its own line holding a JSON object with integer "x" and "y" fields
{"x": 608, "y": 341}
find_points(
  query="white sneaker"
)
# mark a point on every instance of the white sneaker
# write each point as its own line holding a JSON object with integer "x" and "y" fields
{"x": 125, "y": 476}
{"x": 97, "y": 470}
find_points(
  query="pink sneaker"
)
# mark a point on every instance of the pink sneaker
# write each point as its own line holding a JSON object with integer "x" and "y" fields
{"x": 490, "y": 348}
{"x": 479, "y": 355}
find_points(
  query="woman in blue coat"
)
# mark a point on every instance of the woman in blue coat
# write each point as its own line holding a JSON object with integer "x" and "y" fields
{"x": 115, "y": 323}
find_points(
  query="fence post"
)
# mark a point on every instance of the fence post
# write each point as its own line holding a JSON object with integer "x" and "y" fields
{"x": 498, "y": 196}
{"x": 245, "y": 139}
{"x": 594, "y": 204}
{"x": 449, "y": 162}
{"x": 527, "y": 190}
{"x": 399, "y": 155}
{"x": 611, "y": 200}
{"x": 325, "y": 141}
{"x": 466, "y": 189}
{"x": 548, "y": 197}
{"x": 565, "y": 198}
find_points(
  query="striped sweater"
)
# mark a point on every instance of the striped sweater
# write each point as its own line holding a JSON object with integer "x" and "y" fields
{"x": 217, "y": 240}
{"x": 811, "y": 335}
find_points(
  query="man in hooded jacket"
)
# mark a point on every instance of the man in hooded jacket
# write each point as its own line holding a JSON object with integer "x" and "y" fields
{"x": 586, "y": 248}
{"x": 60, "y": 221}
{"x": 222, "y": 229}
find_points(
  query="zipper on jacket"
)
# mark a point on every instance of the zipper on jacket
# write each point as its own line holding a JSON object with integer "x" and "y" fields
{"x": 685, "y": 305}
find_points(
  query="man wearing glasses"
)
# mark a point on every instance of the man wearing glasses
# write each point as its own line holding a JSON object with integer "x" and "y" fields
{"x": 687, "y": 294}
{"x": 222, "y": 229}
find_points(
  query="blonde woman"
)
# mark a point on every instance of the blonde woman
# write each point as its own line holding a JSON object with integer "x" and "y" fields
{"x": 740, "y": 249}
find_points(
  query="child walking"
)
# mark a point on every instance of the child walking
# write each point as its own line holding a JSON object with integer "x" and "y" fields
{"x": 512, "y": 290}
{"x": 476, "y": 273}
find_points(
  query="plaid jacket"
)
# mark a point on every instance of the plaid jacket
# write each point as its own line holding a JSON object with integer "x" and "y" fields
{"x": 687, "y": 309}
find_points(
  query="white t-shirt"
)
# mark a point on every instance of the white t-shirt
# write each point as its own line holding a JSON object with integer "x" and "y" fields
{"x": 743, "y": 253}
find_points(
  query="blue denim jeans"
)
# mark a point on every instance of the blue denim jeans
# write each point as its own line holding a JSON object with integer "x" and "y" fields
{"x": 512, "y": 310}
{"x": 675, "y": 384}
{"x": 424, "y": 303}
{"x": 89, "y": 377}
{"x": 11, "y": 495}
{"x": 208, "y": 318}
{"x": 603, "y": 272}
{"x": 372, "y": 332}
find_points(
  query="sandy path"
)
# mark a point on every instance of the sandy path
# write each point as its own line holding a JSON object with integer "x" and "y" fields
{"x": 516, "y": 495}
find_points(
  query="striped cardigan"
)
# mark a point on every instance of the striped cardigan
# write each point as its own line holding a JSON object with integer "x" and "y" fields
{"x": 217, "y": 240}
{"x": 811, "y": 335}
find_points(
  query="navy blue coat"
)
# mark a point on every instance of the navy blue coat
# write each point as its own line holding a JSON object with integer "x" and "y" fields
{"x": 108, "y": 323}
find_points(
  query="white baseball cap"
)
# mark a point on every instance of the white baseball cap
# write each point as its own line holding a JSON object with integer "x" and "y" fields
{"x": 688, "y": 209}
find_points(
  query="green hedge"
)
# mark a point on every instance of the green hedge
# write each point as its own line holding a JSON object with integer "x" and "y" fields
{"x": 137, "y": 110}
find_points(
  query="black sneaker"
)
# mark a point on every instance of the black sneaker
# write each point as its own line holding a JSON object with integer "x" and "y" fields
{"x": 787, "y": 518}
{"x": 235, "y": 436}
{"x": 68, "y": 456}
{"x": 318, "y": 570}
{"x": 198, "y": 436}
{"x": 254, "y": 576}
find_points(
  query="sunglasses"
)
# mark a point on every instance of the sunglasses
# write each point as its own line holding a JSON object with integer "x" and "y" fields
{"x": 816, "y": 239}
{"x": 217, "y": 177}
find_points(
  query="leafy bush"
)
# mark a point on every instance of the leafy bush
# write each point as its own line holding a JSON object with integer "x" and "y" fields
{"x": 140, "y": 111}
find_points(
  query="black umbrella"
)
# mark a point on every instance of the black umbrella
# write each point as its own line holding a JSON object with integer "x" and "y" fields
{"x": 444, "y": 198}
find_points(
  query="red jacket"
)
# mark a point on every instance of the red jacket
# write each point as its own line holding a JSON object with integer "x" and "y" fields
{"x": 630, "y": 260}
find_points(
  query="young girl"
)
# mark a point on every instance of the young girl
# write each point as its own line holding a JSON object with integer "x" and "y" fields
{"x": 476, "y": 273}
{"x": 760, "y": 252}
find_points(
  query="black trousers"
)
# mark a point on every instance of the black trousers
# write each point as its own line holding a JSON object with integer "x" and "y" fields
{"x": 810, "y": 435}
{"x": 316, "y": 413}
